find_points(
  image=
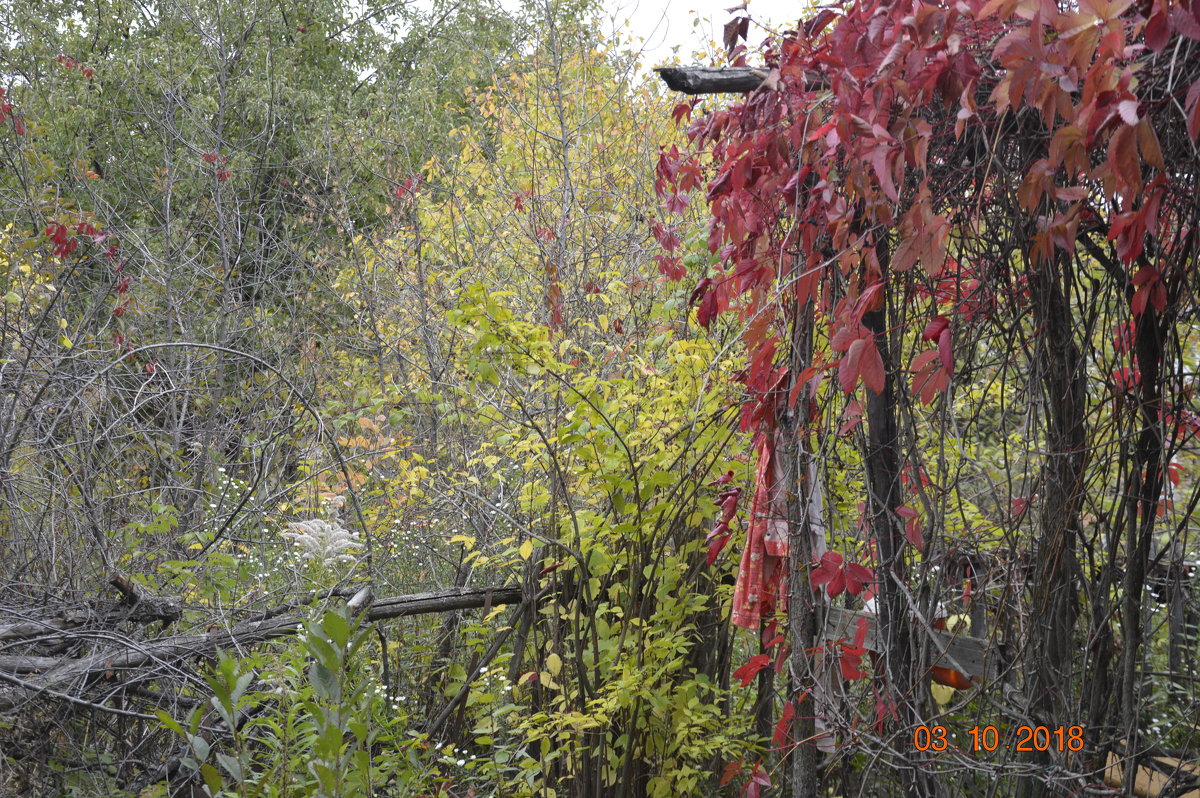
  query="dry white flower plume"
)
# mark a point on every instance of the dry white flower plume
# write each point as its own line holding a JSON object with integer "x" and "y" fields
{"x": 325, "y": 541}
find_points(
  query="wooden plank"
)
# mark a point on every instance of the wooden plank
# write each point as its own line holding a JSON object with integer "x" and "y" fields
{"x": 969, "y": 655}
{"x": 1160, "y": 775}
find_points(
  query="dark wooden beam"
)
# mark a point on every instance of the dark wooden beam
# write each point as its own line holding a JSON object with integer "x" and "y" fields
{"x": 712, "y": 80}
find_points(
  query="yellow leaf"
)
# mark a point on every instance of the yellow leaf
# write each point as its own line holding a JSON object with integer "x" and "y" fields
{"x": 64, "y": 342}
{"x": 467, "y": 541}
{"x": 553, "y": 664}
{"x": 526, "y": 550}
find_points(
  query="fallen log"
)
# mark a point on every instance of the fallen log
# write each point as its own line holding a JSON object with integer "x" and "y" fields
{"x": 137, "y": 606}
{"x": 150, "y": 658}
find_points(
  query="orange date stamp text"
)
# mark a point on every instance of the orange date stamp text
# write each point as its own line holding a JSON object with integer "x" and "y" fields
{"x": 990, "y": 738}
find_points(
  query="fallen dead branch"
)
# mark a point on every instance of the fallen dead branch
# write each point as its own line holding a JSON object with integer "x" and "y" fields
{"x": 123, "y": 659}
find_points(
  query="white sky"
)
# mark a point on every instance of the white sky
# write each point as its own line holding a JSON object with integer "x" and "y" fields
{"x": 664, "y": 25}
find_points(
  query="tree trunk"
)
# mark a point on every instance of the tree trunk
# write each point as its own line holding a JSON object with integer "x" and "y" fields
{"x": 1055, "y": 593}
{"x": 884, "y": 493}
{"x": 805, "y": 529}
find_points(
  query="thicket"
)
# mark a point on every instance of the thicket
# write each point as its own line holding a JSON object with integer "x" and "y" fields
{"x": 393, "y": 402}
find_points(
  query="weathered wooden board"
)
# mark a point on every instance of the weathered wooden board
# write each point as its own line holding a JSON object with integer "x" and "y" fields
{"x": 968, "y": 655}
{"x": 1158, "y": 776}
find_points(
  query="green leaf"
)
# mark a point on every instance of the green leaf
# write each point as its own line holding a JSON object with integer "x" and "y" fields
{"x": 212, "y": 778}
{"x": 231, "y": 766}
{"x": 324, "y": 681}
{"x": 337, "y": 628}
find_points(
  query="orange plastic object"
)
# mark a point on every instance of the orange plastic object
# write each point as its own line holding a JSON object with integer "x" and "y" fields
{"x": 950, "y": 678}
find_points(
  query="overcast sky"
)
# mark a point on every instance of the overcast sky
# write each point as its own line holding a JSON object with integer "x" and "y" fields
{"x": 667, "y": 24}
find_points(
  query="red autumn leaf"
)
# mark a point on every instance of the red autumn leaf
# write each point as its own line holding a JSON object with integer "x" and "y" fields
{"x": 699, "y": 291}
{"x": 946, "y": 351}
{"x": 883, "y": 708}
{"x": 845, "y": 336}
{"x": 735, "y": 29}
{"x": 850, "y": 661}
{"x": 671, "y": 268}
{"x": 817, "y": 24}
{"x": 707, "y": 310}
{"x": 868, "y": 300}
{"x": 934, "y": 328}
{"x": 724, "y": 479}
{"x": 691, "y": 175}
{"x": 1126, "y": 379}
{"x": 783, "y": 725}
{"x": 1018, "y": 507}
{"x": 871, "y": 367}
{"x": 929, "y": 378}
{"x": 828, "y": 574}
{"x": 912, "y": 526}
{"x": 852, "y": 417}
{"x": 731, "y": 770}
{"x": 836, "y": 584}
{"x": 1157, "y": 30}
{"x": 879, "y": 161}
{"x": 666, "y": 237}
{"x": 860, "y": 632}
{"x": 729, "y": 504}
{"x": 715, "y": 547}
{"x": 912, "y": 533}
{"x": 830, "y": 560}
{"x": 676, "y": 203}
{"x": 747, "y": 672}
{"x": 848, "y": 371}
{"x": 856, "y": 576}
{"x": 1192, "y": 106}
